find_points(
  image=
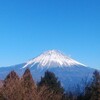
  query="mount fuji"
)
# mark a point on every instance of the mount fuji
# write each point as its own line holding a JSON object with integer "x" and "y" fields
{"x": 53, "y": 58}
{"x": 68, "y": 71}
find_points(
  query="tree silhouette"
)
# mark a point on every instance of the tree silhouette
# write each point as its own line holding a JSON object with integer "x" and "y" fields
{"x": 93, "y": 91}
{"x": 95, "y": 87}
{"x": 50, "y": 80}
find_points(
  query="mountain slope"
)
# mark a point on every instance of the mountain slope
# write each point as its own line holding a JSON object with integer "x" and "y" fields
{"x": 68, "y": 71}
{"x": 53, "y": 58}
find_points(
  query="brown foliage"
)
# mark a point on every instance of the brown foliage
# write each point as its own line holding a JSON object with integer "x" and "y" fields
{"x": 28, "y": 86}
{"x": 15, "y": 88}
{"x": 11, "y": 89}
{"x": 45, "y": 93}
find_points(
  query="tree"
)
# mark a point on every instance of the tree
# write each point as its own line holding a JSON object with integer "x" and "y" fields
{"x": 93, "y": 91}
{"x": 11, "y": 89}
{"x": 50, "y": 80}
{"x": 50, "y": 88}
{"x": 95, "y": 86}
{"x": 28, "y": 85}
{"x": 45, "y": 93}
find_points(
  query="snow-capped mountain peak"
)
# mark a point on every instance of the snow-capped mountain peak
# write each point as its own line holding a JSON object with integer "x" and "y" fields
{"x": 53, "y": 58}
{"x": 68, "y": 71}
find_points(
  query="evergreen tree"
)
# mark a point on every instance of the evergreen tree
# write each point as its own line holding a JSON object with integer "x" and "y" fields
{"x": 51, "y": 81}
{"x": 93, "y": 91}
{"x": 95, "y": 88}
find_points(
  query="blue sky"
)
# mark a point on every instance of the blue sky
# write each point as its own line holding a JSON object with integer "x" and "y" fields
{"x": 29, "y": 27}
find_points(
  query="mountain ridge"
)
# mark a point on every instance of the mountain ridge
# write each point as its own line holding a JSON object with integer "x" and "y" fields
{"x": 68, "y": 71}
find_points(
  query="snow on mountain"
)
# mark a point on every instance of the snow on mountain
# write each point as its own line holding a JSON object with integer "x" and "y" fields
{"x": 53, "y": 58}
{"x": 68, "y": 71}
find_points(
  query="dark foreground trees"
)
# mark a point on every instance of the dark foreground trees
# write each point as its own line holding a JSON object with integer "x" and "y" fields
{"x": 24, "y": 88}
{"x": 49, "y": 88}
{"x": 11, "y": 89}
{"x": 92, "y": 91}
{"x": 51, "y": 81}
{"x": 28, "y": 85}
{"x": 16, "y": 88}
{"x": 52, "y": 88}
